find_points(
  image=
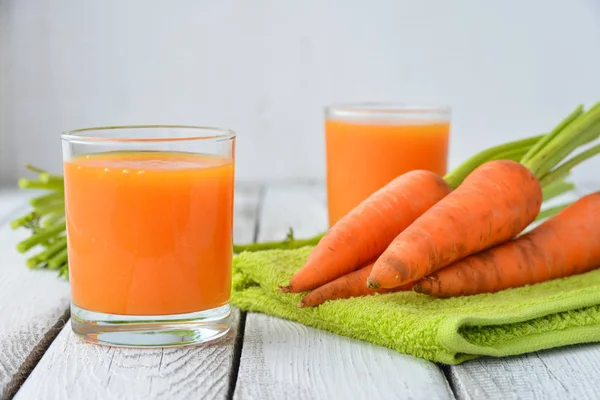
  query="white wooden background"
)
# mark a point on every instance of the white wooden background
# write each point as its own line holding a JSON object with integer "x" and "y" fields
{"x": 264, "y": 357}
{"x": 266, "y": 68}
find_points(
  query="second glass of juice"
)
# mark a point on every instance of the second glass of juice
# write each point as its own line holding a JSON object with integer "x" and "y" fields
{"x": 368, "y": 145}
{"x": 149, "y": 214}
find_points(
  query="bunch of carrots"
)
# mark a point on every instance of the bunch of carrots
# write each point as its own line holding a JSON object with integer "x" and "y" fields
{"x": 460, "y": 234}
{"x": 463, "y": 234}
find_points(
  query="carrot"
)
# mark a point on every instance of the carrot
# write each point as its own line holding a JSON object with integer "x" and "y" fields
{"x": 563, "y": 245}
{"x": 365, "y": 232}
{"x": 350, "y": 285}
{"x": 369, "y": 228}
{"x": 492, "y": 205}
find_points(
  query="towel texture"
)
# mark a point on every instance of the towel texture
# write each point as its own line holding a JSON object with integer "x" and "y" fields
{"x": 450, "y": 331}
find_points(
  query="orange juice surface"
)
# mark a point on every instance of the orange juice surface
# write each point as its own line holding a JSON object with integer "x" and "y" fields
{"x": 150, "y": 233}
{"x": 361, "y": 158}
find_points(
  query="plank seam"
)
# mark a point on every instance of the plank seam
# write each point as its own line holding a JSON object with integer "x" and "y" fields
{"x": 237, "y": 356}
{"x": 239, "y": 339}
{"x": 35, "y": 356}
{"x": 449, "y": 379}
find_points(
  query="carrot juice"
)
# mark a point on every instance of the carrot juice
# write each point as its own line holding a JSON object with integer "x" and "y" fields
{"x": 368, "y": 147}
{"x": 149, "y": 233}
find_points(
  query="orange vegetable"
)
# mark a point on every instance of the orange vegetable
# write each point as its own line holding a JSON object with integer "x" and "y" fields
{"x": 563, "y": 245}
{"x": 492, "y": 205}
{"x": 350, "y": 285}
{"x": 369, "y": 228}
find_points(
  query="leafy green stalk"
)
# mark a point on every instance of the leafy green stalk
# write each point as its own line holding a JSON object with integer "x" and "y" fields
{"x": 33, "y": 184}
{"x": 59, "y": 259}
{"x": 556, "y": 188}
{"x": 565, "y": 168}
{"x": 458, "y": 174}
{"x": 50, "y": 178}
{"x": 289, "y": 243}
{"x": 34, "y": 169}
{"x": 46, "y": 199}
{"x": 559, "y": 128}
{"x": 63, "y": 271}
{"x": 58, "y": 245}
{"x": 24, "y": 220}
{"x": 50, "y": 209}
{"x": 38, "y": 238}
{"x": 53, "y": 218}
{"x": 583, "y": 129}
{"x": 515, "y": 155}
{"x": 552, "y": 211}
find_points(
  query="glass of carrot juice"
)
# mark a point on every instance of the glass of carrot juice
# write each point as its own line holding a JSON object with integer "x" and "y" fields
{"x": 149, "y": 213}
{"x": 368, "y": 145}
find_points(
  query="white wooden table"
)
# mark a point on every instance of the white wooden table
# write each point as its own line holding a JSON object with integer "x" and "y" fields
{"x": 263, "y": 357}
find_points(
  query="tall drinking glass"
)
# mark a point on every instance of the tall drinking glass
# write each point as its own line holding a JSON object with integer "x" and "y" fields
{"x": 149, "y": 213}
{"x": 368, "y": 145}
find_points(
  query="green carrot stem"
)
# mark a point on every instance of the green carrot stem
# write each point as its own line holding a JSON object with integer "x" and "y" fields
{"x": 556, "y": 188}
{"x": 33, "y": 262}
{"x": 22, "y": 221}
{"x": 34, "y": 169}
{"x": 49, "y": 178}
{"x": 550, "y": 212}
{"x": 25, "y": 183}
{"x": 542, "y": 142}
{"x": 47, "y": 199}
{"x": 56, "y": 246}
{"x": 586, "y": 136}
{"x": 50, "y": 208}
{"x": 59, "y": 259}
{"x": 584, "y": 128}
{"x": 567, "y": 166}
{"x": 53, "y": 218}
{"x": 284, "y": 244}
{"x": 38, "y": 238}
{"x": 64, "y": 271}
{"x": 458, "y": 174}
{"x": 516, "y": 154}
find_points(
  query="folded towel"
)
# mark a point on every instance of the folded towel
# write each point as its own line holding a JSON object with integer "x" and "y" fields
{"x": 450, "y": 331}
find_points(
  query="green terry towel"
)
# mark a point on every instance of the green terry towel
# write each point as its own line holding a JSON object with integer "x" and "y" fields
{"x": 450, "y": 331}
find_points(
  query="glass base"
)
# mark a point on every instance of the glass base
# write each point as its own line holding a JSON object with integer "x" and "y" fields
{"x": 151, "y": 331}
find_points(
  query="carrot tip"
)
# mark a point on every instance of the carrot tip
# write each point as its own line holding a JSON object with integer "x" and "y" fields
{"x": 372, "y": 284}
{"x": 284, "y": 289}
{"x": 301, "y": 304}
{"x": 417, "y": 288}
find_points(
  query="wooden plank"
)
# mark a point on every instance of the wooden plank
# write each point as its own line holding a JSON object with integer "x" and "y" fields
{"x": 72, "y": 369}
{"x": 564, "y": 373}
{"x": 33, "y": 305}
{"x": 284, "y": 359}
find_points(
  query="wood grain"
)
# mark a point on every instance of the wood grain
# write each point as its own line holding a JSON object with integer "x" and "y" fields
{"x": 286, "y": 360}
{"x": 33, "y": 305}
{"x": 564, "y": 373}
{"x": 71, "y": 369}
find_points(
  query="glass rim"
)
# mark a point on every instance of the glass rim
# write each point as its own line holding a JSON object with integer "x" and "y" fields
{"x": 218, "y": 134}
{"x": 386, "y": 108}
